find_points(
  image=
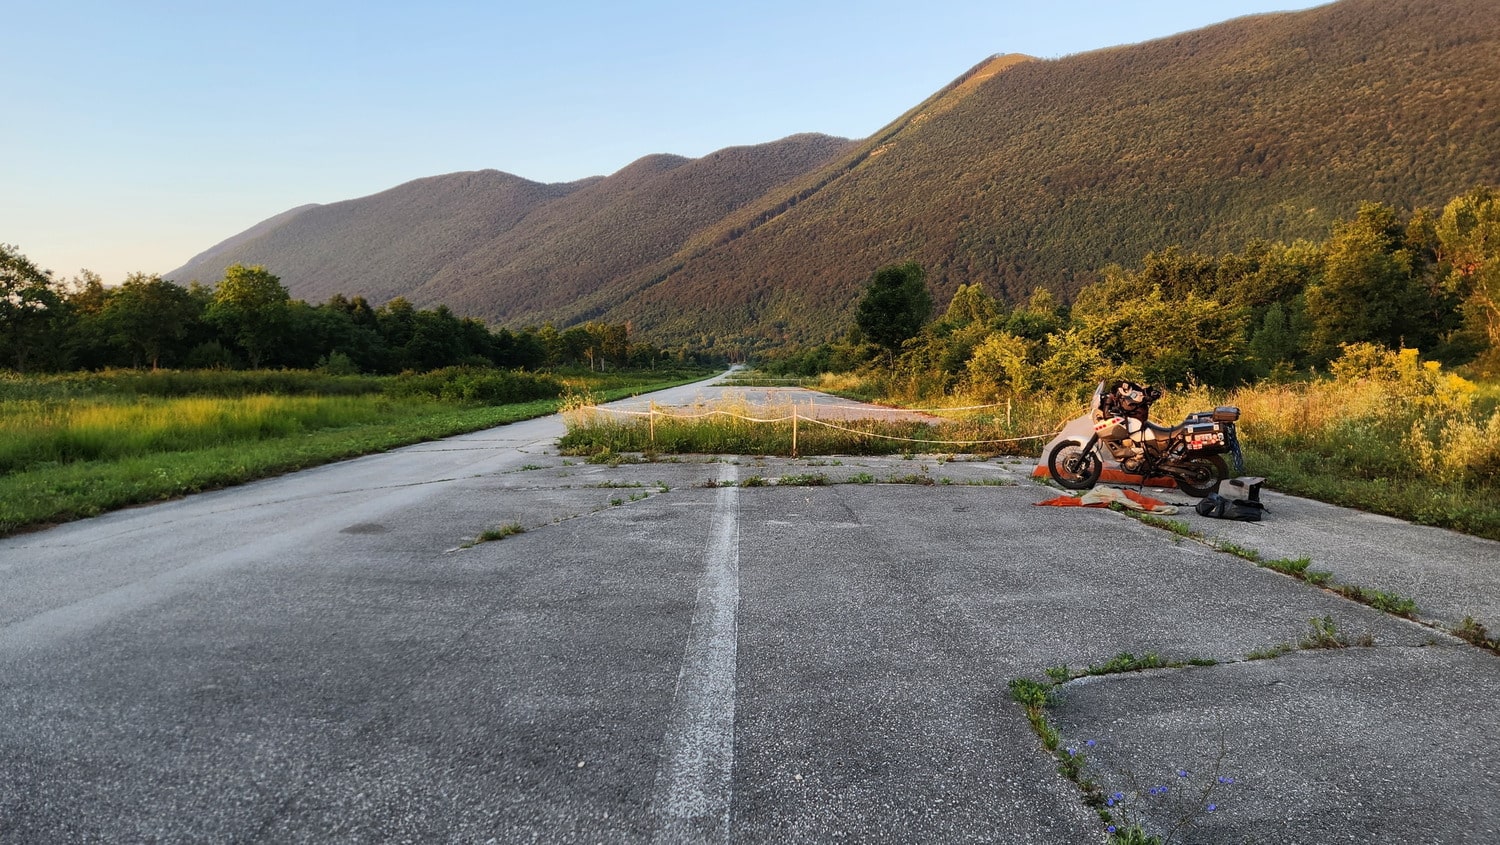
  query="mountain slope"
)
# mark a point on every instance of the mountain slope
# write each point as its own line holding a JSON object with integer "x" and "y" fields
{"x": 504, "y": 248}
{"x": 381, "y": 246}
{"x": 1270, "y": 126}
{"x": 577, "y": 248}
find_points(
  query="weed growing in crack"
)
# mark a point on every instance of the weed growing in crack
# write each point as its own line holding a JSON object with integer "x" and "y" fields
{"x": 1034, "y": 697}
{"x": 611, "y": 458}
{"x": 491, "y": 535}
{"x": 1125, "y": 662}
{"x": 1298, "y": 569}
{"x": 1178, "y": 527}
{"x": 1323, "y": 634}
{"x": 1391, "y": 603}
{"x": 803, "y": 480}
{"x": 1238, "y": 551}
{"x": 1271, "y": 652}
{"x": 1179, "y": 801}
{"x": 862, "y": 478}
{"x": 1473, "y": 632}
{"x": 1126, "y": 815}
{"x": 754, "y": 481}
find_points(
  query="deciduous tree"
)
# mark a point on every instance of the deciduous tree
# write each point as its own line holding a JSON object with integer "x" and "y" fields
{"x": 252, "y": 308}
{"x": 32, "y": 309}
{"x": 895, "y": 305}
{"x": 1469, "y": 231}
{"x": 149, "y": 316}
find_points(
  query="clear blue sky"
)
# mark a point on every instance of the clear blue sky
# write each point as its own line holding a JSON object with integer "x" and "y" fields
{"x": 137, "y": 134}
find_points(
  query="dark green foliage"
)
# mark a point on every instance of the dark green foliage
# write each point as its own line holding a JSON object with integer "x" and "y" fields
{"x": 1127, "y": 662}
{"x": 151, "y": 317}
{"x": 1391, "y": 603}
{"x": 475, "y": 384}
{"x": 1029, "y": 693}
{"x": 31, "y": 311}
{"x": 252, "y": 309}
{"x": 249, "y": 318}
{"x": 1369, "y": 290}
{"x": 895, "y": 306}
{"x": 1273, "y": 343}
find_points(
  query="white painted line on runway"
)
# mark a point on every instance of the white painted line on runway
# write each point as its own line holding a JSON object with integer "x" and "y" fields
{"x": 693, "y": 786}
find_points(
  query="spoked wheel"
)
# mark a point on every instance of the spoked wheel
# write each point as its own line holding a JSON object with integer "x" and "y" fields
{"x": 1201, "y": 475}
{"x": 1074, "y": 467}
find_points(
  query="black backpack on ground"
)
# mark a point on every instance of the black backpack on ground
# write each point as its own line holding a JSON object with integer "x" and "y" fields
{"x": 1238, "y": 498}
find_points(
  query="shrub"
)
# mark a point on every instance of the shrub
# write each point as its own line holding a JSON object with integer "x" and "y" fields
{"x": 476, "y": 385}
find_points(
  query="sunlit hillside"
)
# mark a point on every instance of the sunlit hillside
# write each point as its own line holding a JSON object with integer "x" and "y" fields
{"x": 1022, "y": 173}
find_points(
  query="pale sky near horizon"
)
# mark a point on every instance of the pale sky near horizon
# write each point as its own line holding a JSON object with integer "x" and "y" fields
{"x": 139, "y": 134}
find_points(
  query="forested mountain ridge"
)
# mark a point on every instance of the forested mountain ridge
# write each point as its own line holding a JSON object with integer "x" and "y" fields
{"x": 1264, "y": 127}
{"x": 504, "y": 248}
{"x": 571, "y": 260}
{"x": 1022, "y": 173}
{"x": 381, "y": 246}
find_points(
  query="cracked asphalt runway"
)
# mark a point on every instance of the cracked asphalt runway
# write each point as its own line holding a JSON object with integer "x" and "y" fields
{"x": 666, "y": 655}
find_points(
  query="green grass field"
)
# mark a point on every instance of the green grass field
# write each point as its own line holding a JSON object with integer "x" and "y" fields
{"x": 75, "y": 446}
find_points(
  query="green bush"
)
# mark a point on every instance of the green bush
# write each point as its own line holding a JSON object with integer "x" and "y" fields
{"x": 476, "y": 385}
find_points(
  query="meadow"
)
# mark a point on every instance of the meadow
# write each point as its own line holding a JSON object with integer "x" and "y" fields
{"x": 76, "y": 445}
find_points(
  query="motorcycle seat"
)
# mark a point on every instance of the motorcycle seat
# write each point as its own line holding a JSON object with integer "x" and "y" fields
{"x": 1161, "y": 431}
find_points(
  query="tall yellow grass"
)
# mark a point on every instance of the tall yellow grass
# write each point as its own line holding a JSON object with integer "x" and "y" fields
{"x": 40, "y": 431}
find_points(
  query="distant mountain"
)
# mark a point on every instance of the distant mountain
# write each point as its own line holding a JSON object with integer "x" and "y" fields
{"x": 504, "y": 248}
{"x": 381, "y": 246}
{"x": 1021, "y": 173}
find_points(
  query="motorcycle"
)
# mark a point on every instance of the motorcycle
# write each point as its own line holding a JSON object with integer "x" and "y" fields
{"x": 1191, "y": 454}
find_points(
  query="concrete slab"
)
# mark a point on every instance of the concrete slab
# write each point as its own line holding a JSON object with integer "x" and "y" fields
{"x": 1348, "y": 746}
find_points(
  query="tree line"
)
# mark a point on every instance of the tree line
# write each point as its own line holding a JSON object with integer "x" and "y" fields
{"x": 249, "y": 319}
{"x": 1420, "y": 279}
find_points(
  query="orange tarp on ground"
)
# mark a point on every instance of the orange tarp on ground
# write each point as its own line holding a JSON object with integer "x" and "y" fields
{"x": 1103, "y": 497}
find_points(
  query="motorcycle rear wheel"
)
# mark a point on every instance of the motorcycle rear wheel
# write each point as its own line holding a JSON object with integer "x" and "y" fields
{"x": 1201, "y": 475}
{"x": 1073, "y": 467}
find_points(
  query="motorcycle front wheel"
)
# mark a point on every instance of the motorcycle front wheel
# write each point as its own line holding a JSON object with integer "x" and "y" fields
{"x": 1074, "y": 467}
{"x": 1201, "y": 475}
